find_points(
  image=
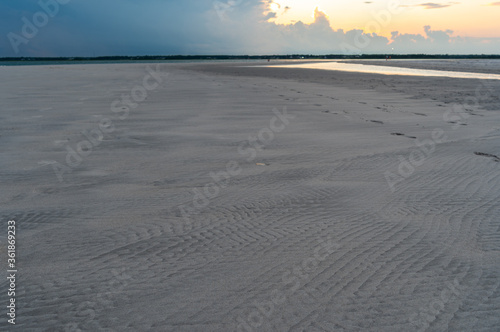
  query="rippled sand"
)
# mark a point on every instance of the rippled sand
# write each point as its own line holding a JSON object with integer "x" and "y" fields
{"x": 236, "y": 198}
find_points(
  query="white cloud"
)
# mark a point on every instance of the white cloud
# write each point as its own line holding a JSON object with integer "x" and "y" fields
{"x": 259, "y": 36}
{"x": 443, "y": 42}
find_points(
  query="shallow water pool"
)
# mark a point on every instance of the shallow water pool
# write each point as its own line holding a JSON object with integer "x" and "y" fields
{"x": 371, "y": 69}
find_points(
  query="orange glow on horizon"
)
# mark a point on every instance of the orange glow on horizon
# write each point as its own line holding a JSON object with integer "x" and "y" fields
{"x": 467, "y": 19}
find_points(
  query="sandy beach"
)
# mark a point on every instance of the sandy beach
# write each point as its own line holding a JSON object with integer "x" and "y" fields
{"x": 233, "y": 197}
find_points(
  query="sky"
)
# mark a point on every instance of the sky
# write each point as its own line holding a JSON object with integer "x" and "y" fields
{"x": 239, "y": 27}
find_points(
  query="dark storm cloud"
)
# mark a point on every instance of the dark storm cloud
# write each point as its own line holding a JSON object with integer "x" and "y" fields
{"x": 154, "y": 27}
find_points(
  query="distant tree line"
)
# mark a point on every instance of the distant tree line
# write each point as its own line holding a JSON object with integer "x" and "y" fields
{"x": 255, "y": 57}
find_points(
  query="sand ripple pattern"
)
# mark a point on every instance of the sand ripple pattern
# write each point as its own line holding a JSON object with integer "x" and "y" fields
{"x": 110, "y": 250}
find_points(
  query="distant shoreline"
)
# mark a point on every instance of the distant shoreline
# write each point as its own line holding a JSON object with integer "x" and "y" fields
{"x": 248, "y": 57}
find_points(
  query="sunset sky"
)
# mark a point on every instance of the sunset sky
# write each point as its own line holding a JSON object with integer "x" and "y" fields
{"x": 151, "y": 27}
{"x": 471, "y": 18}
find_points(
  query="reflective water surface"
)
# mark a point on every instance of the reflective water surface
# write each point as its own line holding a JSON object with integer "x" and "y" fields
{"x": 360, "y": 68}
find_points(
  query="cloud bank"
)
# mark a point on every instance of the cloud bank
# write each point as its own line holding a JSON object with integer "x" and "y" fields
{"x": 153, "y": 27}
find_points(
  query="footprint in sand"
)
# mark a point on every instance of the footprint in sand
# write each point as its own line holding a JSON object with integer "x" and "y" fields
{"x": 489, "y": 155}
{"x": 401, "y": 134}
{"x": 461, "y": 124}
